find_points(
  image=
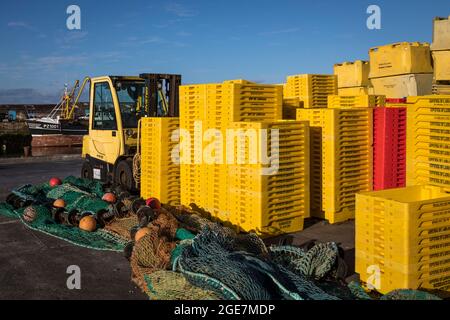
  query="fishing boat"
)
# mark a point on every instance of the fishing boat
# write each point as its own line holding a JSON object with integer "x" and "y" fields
{"x": 62, "y": 119}
{"x": 44, "y": 126}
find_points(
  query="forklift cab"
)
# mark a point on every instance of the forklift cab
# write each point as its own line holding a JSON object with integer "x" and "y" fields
{"x": 116, "y": 105}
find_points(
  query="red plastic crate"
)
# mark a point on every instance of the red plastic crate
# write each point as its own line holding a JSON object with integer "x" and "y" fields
{"x": 389, "y": 148}
{"x": 395, "y": 100}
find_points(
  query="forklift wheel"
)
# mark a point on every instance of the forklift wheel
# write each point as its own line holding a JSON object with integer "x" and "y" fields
{"x": 87, "y": 171}
{"x": 124, "y": 175}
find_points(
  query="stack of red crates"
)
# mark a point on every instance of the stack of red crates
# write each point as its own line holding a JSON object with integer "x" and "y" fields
{"x": 389, "y": 146}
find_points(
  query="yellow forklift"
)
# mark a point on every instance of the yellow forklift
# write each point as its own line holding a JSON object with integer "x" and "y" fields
{"x": 117, "y": 103}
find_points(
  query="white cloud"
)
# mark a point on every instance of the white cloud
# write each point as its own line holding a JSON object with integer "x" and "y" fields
{"x": 40, "y": 65}
{"x": 21, "y": 25}
{"x": 151, "y": 40}
{"x": 51, "y": 61}
{"x": 48, "y": 71}
{"x": 18, "y": 24}
{"x": 27, "y": 96}
{"x": 26, "y": 26}
{"x": 136, "y": 41}
{"x": 180, "y": 10}
{"x": 68, "y": 39}
{"x": 184, "y": 34}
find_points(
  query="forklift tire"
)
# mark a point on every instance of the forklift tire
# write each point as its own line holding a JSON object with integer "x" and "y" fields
{"x": 124, "y": 176}
{"x": 87, "y": 171}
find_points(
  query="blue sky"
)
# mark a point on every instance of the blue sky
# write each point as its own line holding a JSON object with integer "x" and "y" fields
{"x": 204, "y": 40}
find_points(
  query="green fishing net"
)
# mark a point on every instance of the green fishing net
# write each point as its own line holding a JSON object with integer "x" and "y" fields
{"x": 168, "y": 285}
{"x": 77, "y": 199}
{"x": 84, "y": 199}
{"x": 211, "y": 262}
{"x": 92, "y": 186}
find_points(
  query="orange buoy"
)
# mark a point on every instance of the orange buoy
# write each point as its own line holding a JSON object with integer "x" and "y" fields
{"x": 88, "y": 224}
{"x": 59, "y": 203}
{"x": 141, "y": 233}
{"x": 109, "y": 197}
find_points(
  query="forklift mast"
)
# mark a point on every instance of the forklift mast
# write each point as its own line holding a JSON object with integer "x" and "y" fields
{"x": 161, "y": 88}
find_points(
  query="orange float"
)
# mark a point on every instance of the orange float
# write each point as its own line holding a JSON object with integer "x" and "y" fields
{"x": 59, "y": 203}
{"x": 141, "y": 233}
{"x": 88, "y": 224}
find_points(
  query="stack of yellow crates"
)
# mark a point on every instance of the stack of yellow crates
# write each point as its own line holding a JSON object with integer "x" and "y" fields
{"x": 341, "y": 159}
{"x": 401, "y": 69}
{"x": 160, "y": 170}
{"x": 273, "y": 195}
{"x": 311, "y": 89}
{"x": 209, "y": 181}
{"x": 428, "y": 141}
{"x": 441, "y": 55}
{"x": 353, "y": 78}
{"x": 402, "y": 238}
{"x": 358, "y": 101}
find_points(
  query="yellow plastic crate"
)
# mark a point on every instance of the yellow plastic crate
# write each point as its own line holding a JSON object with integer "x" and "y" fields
{"x": 311, "y": 89}
{"x": 441, "y": 34}
{"x": 355, "y": 91}
{"x": 402, "y": 235}
{"x": 160, "y": 176}
{"x": 341, "y": 159}
{"x": 428, "y": 140}
{"x": 441, "y": 61}
{"x": 215, "y": 177}
{"x": 403, "y": 86}
{"x": 283, "y": 226}
{"x": 359, "y": 101}
{"x": 399, "y": 59}
{"x": 284, "y": 86}
{"x": 424, "y": 104}
{"x": 193, "y": 189}
{"x": 441, "y": 89}
{"x": 396, "y": 103}
{"x": 352, "y": 74}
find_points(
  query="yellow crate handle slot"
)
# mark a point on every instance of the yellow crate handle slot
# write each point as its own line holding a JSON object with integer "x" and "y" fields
{"x": 137, "y": 157}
